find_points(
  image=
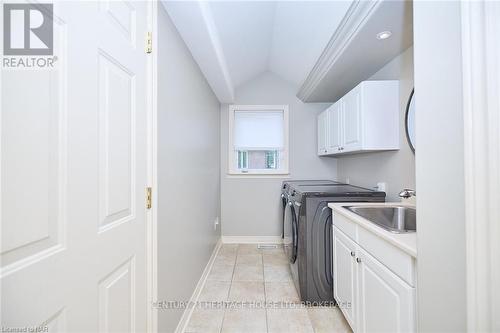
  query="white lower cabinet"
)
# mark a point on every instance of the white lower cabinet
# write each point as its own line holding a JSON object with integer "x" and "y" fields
{"x": 344, "y": 276}
{"x": 386, "y": 303}
{"x": 380, "y": 301}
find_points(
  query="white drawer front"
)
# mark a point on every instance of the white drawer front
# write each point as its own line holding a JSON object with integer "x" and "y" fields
{"x": 401, "y": 263}
{"x": 345, "y": 225}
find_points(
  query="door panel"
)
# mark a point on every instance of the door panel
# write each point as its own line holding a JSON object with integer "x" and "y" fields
{"x": 31, "y": 177}
{"x": 73, "y": 175}
{"x": 123, "y": 15}
{"x": 116, "y": 141}
{"x": 335, "y": 127}
{"x": 322, "y": 132}
{"x": 344, "y": 275}
{"x": 386, "y": 301}
{"x": 352, "y": 120}
{"x": 116, "y": 299}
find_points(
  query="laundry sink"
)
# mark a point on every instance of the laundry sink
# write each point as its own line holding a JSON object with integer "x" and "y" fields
{"x": 397, "y": 219}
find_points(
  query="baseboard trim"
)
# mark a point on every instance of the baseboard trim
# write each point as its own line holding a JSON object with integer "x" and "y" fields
{"x": 252, "y": 239}
{"x": 186, "y": 315}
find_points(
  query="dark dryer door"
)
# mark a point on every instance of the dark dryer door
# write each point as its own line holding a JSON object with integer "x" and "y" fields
{"x": 290, "y": 232}
{"x": 321, "y": 240}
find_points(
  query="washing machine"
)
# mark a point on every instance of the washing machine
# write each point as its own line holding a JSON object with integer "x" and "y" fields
{"x": 287, "y": 188}
{"x": 308, "y": 235}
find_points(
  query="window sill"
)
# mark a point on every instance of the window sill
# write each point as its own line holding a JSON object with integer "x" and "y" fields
{"x": 258, "y": 175}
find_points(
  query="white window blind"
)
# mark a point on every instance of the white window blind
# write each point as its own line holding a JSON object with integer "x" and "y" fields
{"x": 258, "y": 130}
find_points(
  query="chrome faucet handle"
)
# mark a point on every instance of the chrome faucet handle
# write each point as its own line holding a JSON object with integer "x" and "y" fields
{"x": 407, "y": 193}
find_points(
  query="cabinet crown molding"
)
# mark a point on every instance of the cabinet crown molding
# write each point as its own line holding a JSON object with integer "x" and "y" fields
{"x": 353, "y": 53}
{"x": 357, "y": 13}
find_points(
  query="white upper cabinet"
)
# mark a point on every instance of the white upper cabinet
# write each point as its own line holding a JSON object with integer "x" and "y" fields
{"x": 322, "y": 133}
{"x": 334, "y": 128}
{"x": 365, "y": 119}
{"x": 351, "y": 131}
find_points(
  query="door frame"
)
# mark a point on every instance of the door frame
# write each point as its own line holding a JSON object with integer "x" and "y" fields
{"x": 151, "y": 214}
{"x": 481, "y": 82}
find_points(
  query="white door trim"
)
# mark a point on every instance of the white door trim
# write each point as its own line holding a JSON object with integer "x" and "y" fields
{"x": 152, "y": 241}
{"x": 481, "y": 83}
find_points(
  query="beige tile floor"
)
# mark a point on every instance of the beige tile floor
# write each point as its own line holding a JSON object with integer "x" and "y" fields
{"x": 245, "y": 273}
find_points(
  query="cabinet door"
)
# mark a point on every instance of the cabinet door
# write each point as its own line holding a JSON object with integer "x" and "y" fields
{"x": 322, "y": 132}
{"x": 386, "y": 303}
{"x": 344, "y": 275}
{"x": 352, "y": 120}
{"x": 335, "y": 128}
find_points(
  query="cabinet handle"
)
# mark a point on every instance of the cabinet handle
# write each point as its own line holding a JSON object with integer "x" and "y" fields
{"x": 358, "y": 260}
{"x": 353, "y": 254}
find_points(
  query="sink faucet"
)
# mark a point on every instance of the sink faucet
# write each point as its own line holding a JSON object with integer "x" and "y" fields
{"x": 407, "y": 193}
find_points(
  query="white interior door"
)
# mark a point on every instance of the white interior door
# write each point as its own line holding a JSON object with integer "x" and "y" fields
{"x": 73, "y": 174}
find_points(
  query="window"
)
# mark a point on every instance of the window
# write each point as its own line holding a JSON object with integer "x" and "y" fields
{"x": 258, "y": 139}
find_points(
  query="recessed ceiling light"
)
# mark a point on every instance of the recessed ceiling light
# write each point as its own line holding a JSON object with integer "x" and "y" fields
{"x": 384, "y": 35}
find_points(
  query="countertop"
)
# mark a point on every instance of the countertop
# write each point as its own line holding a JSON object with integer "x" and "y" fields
{"x": 406, "y": 241}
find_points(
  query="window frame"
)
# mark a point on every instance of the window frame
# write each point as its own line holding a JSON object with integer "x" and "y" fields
{"x": 232, "y": 155}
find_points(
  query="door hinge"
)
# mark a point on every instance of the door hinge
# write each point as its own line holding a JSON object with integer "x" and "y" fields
{"x": 149, "y": 42}
{"x": 149, "y": 199}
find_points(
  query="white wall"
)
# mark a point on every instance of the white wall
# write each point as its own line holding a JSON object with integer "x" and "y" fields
{"x": 396, "y": 168}
{"x": 251, "y": 206}
{"x": 440, "y": 167}
{"x": 188, "y": 171}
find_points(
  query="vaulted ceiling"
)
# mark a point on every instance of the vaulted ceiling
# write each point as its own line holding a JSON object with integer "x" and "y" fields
{"x": 236, "y": 41}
